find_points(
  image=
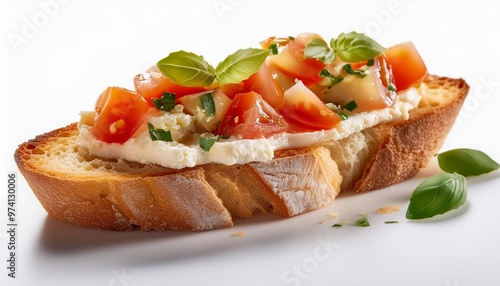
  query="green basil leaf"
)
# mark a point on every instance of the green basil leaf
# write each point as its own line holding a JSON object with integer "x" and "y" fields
{"x": 187, "y": 69}
{"x": 207, "y": 143}
{"x": 159, "y": 134}
{"x": 355, "y": 47}
{"x": 319, "y": 49}
{"x": 207, "y": 103}
{"x": 467, "y": 162}
{"x": 240, "y": 65}
{"x": 437, "y": 195}
{"x": 166, "y": 102}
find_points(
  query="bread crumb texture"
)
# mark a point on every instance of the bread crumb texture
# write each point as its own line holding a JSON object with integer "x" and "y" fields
{"x": 388, "y": 209}
{"x": 238, "y": 234}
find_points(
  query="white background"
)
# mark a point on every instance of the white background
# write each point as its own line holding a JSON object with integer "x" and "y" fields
{"x": 57, "y": 56}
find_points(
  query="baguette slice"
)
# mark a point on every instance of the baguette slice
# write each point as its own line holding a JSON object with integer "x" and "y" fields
{"x": 112, "y": 194}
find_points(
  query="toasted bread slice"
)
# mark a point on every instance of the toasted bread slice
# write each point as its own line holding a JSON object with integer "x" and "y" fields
{"x": 120, "y": 195}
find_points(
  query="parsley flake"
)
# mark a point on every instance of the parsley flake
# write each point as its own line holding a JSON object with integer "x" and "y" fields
{"x": 166, "y": 102}
{"x": 207, "y": 103}
{"x": 159, "y": 134}
{"x": 348, "y": 69}
{"x": 351, "y": 105}
{"x": 362, "y": 221}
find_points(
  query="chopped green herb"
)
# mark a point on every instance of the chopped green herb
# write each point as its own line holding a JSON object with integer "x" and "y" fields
{"x": 331, "y": 79}
{"x": 207, "y": 143}
{"x": 370, "y": 62}
{"x": 159, "y": 134}
{"x": 273, "y": 48}
{"x": 342, "y": 115}
{"x": 291, "y": 38}
{"x": 337, "y": 225}
{"x": 362, "y": 221}
{"x": 351, "y": 105}
{"x": 166, "y": 102}
{"x": 391, "y": 222}
{"x": 349, "y": 70}
{"x": 207, "y": 103}
{"x": 224, "y": 136}
{"x": 391, "y": 87}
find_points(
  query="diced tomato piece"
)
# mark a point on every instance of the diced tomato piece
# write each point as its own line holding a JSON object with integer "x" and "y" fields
{"x": 291, "y": 60}
{"x": 153, "y": 84}
{"x": 251, "y": 117}
{"x": 304, "y": 109}
{"x": 262, "y": 82}
{"x": 408, "y": 67}
{"x": 232, "y": 89}
{"x": 119, "y": 113}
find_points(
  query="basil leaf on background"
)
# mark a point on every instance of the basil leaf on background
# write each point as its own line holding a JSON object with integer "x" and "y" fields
{"x": 437, "y": 195}
{"x": 467, "y": 162}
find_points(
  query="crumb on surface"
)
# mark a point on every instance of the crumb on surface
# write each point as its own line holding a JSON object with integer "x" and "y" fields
{"x": 388, "y": 209}
{"x": 363, "y": 214}
{"x": 334, "y": 215}
{"x": 238, "y": 234}
{"x": 322, "y": 222}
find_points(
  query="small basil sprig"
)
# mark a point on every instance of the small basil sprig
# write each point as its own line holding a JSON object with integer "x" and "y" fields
{"x": 356, "y": 47}
{"x": 352, "y": 47}
{"x": 467, "y": 162}
{"x": 240, "y": 65}
{"x": 189, "y": 69}
{"x": 437, "y": 195}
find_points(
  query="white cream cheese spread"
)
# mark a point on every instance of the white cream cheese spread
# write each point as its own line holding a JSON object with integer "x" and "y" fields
{"x": 141, "y": 148}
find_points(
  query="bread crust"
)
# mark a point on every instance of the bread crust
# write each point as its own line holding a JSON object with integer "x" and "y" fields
{"x": 120, "y": 195}
{"x": 406, "y": 147}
